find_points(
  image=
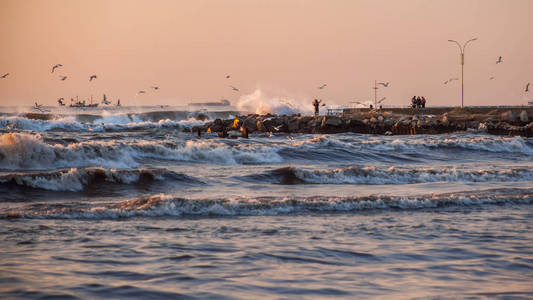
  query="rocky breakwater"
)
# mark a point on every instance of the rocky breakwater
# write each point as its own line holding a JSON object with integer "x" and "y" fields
{"x": 501, "y": 123}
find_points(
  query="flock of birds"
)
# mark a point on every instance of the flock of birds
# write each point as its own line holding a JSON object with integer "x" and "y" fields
{"x": 233, "y": 88}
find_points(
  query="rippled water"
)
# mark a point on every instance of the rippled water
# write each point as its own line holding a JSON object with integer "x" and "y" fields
{"x": 135, "y": 208}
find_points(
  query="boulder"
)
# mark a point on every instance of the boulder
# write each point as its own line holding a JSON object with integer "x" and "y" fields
{"x": 250, "y": 124}
{"x": 524, "y": 117}
{"x": 509, "y": 116}
{"x": 444, "y": 120}
{"x": 331, "y": 121}
{"x": 293, "y": 124}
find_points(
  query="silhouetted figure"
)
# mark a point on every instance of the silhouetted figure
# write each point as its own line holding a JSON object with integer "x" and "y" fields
{"x": 413, "y": 102}
{"x": 316, "y": 104}
{"x": 199, "y": 133}
{"x": 371, "y": 106}
{"x": 423, "y": 102}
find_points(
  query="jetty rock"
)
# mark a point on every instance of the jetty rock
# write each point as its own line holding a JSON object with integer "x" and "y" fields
{"x": 506, "y": 122}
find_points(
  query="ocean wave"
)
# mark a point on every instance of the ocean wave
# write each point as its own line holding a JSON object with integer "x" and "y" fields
{"x": 461, "y": 142}
{"x": 371, "y": 175}
{"x": 30, "y": 151}
{"x": 166, "y": 205}
{"x": 114, "y": 123}
{"x": 394, "y": 175}
{"x": 79, "y": 179}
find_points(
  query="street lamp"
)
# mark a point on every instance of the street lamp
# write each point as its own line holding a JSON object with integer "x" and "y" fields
{"x": 462, "y": 50}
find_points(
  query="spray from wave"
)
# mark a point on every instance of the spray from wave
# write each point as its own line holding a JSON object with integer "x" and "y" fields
{"x": 260, "y": 103}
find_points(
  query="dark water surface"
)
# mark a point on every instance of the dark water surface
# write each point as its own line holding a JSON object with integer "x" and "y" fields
{"x": 134, "y": 208}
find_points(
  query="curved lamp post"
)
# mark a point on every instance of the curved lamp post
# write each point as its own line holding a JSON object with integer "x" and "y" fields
{"x": 462, "y": 50}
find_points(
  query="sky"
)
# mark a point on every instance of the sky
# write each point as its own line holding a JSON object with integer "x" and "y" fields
{"x": 282, "y": 49}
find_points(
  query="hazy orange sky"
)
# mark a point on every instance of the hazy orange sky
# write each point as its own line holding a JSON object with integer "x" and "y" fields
{"x": 285, "y": 48}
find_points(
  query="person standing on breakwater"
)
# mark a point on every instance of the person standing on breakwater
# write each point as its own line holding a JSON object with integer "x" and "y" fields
{"x": 316, "y": 104}
{"x": 423, "y": 102}
{"x": 413, "y": 102}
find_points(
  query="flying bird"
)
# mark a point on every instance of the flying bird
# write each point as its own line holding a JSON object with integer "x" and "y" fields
{"x": 382, "y": 99}
{"x": 446, "y": 82}
{"x": 141, "y": 92}
{"x": 385, "y": 84}
{"x": 234, "y": 88}
{"x": 4, "y": 76}
{"x": 500, "y": 60}
{"x": 63, "y": 77}
{"x": 527, "y": 87}
{"x": 92, "y": 77}
{"x": 491, "y": 77}
{"x": 155, "y": 88}
{"x": 60, "y": 101}
{"x": 55, "y": 67}
{"x": 228, "y": 76}
{"x": 322, "y": 86}
{"x": 286, "y": 103}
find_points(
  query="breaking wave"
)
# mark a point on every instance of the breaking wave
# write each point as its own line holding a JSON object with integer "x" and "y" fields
{"x": 392, "y": 175}
{"x": 30, "y": 151}
{"x": 165, "y": 205}
{"x": 114, "y": 123}
{"x": 79, "y": 179}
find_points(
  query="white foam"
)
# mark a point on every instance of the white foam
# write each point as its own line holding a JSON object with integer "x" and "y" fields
{"x": 392, "y": 175}
{"x": 166, "y": 205}
{"x": 29, "y": 151}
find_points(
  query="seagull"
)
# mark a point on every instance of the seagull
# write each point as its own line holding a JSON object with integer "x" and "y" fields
{"x": 322, "y": 86}
{"x": 39, "y": 107}
{"x": 277, "y": 128}
{"x": 63, "y": 77}
{"x": 446, "y": 82}
{"x": 141, "y": 92}
{"x": 60, "y": 101}
{"x": 286, "y": 103}
{"x": 55, "y": 67}
{"x": 155, "y": 88}
{"x": 500, "y": 60}
{"x": 385, "y": 84}
{"x": 92, "y": 77}
{"x": 382, "y": 99}
{"x": 234, "y": 88}
{"x": 228, "y": 76}
{"x": 527, "y": 87}
{"x": 4, "y": 76}
{"x": 491, "y": 77}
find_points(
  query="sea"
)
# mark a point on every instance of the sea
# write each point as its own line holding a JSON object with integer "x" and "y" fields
{"x": 122, "y": 204}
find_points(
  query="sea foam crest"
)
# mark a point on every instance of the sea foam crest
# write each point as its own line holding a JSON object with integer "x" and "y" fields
{"x": 30, "y": 151}
{"x": 166, "y": 205}
{"x": 393, "y": 175}
{"x": 77, "y": 179}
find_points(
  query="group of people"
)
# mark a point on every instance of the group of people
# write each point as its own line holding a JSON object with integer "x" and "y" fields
{"x": 418, "y": 102}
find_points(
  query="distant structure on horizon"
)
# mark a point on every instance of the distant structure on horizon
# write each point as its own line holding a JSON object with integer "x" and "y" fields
{"x": 222, "y": 103}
